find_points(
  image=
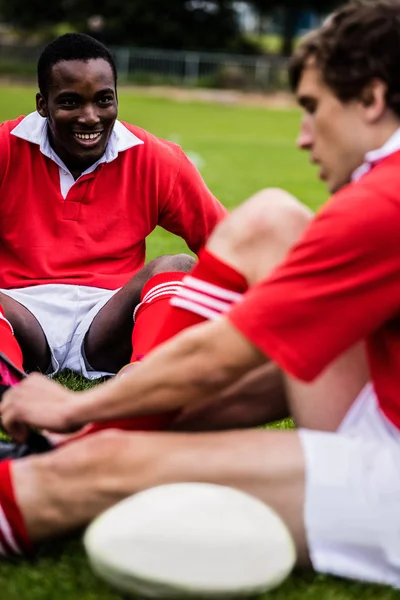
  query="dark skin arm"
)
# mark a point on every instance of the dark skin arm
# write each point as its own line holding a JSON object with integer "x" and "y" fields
{"x": 257, "y": 399}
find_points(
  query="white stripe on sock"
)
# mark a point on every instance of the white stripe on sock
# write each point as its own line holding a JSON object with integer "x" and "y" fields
{"x": 7, "y": 533}
{"x": 197, "y": 309}
{"x": 211, "y": 289}
{"x": 162, "y": 286}
{"x": 205, "y": 300}
{"x": 171, "y": 291}
{"x": 164, "y": 289}
{"x": 150, "y": 301}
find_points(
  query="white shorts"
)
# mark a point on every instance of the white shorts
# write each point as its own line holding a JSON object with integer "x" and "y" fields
{"x": 65, "y": 313}
{"x": 352, "y": 504}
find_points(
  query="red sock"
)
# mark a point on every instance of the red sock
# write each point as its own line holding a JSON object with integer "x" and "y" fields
{"x": 167, "y": 307}
{"x": 208, "y": 292}
{"x": 149, "y": 317}
{"x": 8, "y": 344}
{"x": 152, "y": 312}
{"x": 14, "y": 538}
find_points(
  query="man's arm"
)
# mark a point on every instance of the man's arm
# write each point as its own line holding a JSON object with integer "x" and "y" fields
{"x": 191, "y": 211}
{"x": 256, "y": 399}
{"x": 195, "y": 365}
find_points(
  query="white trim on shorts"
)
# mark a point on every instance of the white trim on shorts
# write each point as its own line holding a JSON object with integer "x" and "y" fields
{"x": 65, "y": 313}
{"x": 352, "y": 504}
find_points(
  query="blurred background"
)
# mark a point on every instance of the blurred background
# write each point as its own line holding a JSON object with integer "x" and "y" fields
{"x": 211, "y": 76}
{"x": 198, "y": 43}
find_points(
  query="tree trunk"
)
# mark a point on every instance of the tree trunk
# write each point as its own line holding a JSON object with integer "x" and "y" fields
{"x": 290, "y": 20}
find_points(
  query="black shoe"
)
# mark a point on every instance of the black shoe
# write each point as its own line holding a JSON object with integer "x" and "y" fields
{"x": 36, "y": 444}
{"x": 13, "y": 450}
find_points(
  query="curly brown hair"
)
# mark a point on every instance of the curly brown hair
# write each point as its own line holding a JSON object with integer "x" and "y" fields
{"x": 358, "y": 43}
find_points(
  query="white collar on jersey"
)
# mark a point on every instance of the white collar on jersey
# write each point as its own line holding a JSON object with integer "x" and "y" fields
{"x": 376, "y": 156}
{"x": 33, "y": 128}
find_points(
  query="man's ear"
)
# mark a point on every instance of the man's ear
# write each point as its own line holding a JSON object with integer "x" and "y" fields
{"x": 373, "y": 100}
{"x": 41, "y": 105}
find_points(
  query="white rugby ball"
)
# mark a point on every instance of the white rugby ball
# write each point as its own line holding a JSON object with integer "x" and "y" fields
{"x": 190, "y": 540}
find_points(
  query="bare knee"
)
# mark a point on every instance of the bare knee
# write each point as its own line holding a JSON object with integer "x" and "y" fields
{"x": 182, "y": 263}
{"x": 259, "y": 233}
{"x": 88, "y": 453}
{"x": 66, "y": 488}
{"x": 96, "y": 463}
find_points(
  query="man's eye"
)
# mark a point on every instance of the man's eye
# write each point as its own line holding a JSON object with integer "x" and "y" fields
{"x": 106, "y": 100}
{"x": 311, "y": 108}
{"x": 68, "y": 103}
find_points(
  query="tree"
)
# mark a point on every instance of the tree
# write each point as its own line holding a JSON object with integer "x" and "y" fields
{"x": 177, "y": 24}
{"x": 291, "y": 12}
{"x": 30, "y": 14}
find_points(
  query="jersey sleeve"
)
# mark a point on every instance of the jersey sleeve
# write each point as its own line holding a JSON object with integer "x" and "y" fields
{"x": 4, "y": 149}
{"x": 336, "y": 287}
{"x": 191, "y": 210}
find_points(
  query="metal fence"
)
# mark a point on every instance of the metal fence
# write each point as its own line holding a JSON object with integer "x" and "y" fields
{"x": 201, "y": 68}
{"x": 138, "y": 65}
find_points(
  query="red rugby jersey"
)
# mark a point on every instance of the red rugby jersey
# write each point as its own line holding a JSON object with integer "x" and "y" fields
{"x": 96, "y": 235}
{"x": 338, "y": 286}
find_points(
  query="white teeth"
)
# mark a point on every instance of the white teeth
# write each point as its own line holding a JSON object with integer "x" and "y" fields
{"x": 87, "y": 136}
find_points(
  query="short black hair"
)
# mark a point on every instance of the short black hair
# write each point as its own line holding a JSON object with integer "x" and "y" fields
{"x": 70, "y": 46}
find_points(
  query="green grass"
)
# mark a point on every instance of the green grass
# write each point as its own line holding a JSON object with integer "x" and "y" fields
{"x": 243, "y": 150}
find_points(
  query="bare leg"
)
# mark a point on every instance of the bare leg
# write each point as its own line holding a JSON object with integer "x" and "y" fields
{"x": 254, "y": 240}
{"x": 323, "y": 404}
{"x": 108, "y": 343}
{"x": 67, "y": 488}
{"x": 28, "y": 333}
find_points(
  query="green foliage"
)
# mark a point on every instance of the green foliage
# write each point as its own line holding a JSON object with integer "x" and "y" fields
{"x": 144, "y": 23}
{"x": 290, "y": 11}
{"x": 169, "y": 24}
{"x": 32, "y": 13}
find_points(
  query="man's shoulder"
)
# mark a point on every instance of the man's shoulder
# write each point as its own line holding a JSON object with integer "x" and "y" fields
{"x": 383, "y": 180}
{"x": 6, "y": 127}
{"x": 382, "y": 177}
{"x": 154, "y": 146}
{"x": 368, "y": 206}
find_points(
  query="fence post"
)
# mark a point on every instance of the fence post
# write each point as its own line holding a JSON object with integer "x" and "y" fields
{"x": 192, "y": 62}
{"x": 263, "y": 72}
{"x": 122, "y": 56}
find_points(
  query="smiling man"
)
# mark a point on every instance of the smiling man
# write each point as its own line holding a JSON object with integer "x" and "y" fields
{"x": 79, "y": 193}
{"x": 79, "y": 137}
{"x": 320, "y": 296}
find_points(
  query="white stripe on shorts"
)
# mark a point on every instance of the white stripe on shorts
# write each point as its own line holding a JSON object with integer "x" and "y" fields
{"x": 351, "y": 512}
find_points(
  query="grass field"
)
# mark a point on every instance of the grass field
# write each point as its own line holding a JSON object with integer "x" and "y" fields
{"x": 241, "y": 150}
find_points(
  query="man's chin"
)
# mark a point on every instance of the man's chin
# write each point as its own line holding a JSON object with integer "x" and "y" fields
{"x": 87, "y": 158}
{"x": 336, "y": 186}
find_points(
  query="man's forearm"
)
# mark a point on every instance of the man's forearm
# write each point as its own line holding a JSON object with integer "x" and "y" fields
{"x": 257, "y": 399}
{"x": 196, "y": 364}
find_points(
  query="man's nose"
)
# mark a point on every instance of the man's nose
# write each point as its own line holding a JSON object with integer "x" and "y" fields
{"x": 305, "y": 137}
{"x": 89, "y": 115}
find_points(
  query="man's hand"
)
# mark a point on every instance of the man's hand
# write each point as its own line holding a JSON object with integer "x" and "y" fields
{"x": 37, "y": 402}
